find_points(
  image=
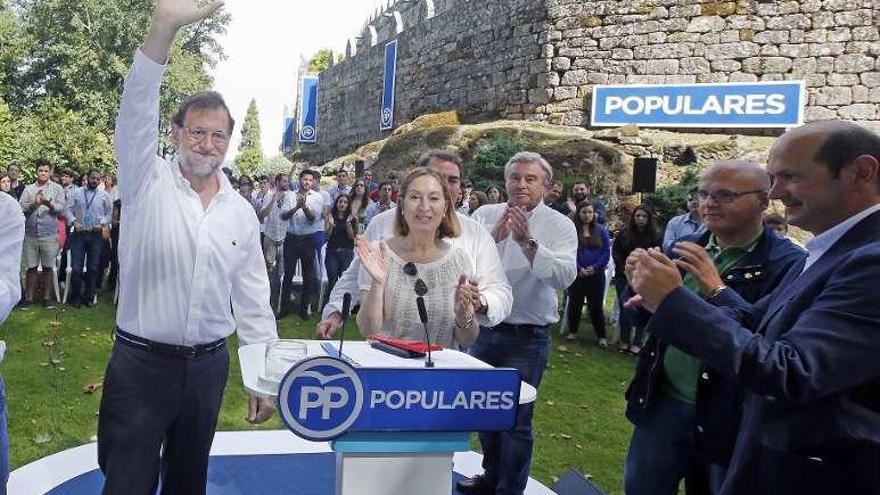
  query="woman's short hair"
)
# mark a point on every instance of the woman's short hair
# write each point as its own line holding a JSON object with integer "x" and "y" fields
{"x": 449, "y": 226}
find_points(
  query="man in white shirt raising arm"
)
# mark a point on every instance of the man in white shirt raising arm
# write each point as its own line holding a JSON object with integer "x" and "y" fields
{"x": 189, "y": 246}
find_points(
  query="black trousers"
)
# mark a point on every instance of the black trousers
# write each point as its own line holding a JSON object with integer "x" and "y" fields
{"x": 590, "y": 288}
{"x": 299, "y": 248}
{"x": 157, "y": 417}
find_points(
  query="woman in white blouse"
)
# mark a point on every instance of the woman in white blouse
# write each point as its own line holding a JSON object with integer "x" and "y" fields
{"x": 416, "y": 262}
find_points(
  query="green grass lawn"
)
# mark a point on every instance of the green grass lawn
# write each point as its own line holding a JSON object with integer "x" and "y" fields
{"x": 579, "y": 419}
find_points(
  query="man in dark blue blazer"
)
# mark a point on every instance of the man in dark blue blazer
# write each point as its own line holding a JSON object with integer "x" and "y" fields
{"x": 809, "y": 353}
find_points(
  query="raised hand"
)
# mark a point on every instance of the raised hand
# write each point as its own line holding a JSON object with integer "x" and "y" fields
{"x": 374, "y": 260}
{"x": 178, "y": 13}
{"x": 168, "y": 18}
{"x": 519, "y": 224}
{"x": 654, "y": 276}
{"x": 464, "y": 299}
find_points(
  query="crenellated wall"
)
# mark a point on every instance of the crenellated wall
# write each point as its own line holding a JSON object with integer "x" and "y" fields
{"x": 539, "y": 59}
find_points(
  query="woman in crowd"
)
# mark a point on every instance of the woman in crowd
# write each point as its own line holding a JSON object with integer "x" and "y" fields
{"x": 246, "y": 188}
{"x": 594, "y": 250}
{"x": 416, "y": 262}
{"x": 641, "y": 232}
{"x": 494, "y": 194}
{"x": 5, "y": 184}
{"x": 341, "y": 228}
{"x": 477, "y": 199}
{"x": 359, "y": 201}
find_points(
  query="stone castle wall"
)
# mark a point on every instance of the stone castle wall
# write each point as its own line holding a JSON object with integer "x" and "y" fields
{"x": 539, "y": 59}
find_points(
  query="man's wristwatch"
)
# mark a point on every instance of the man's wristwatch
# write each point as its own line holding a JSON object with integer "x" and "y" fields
{"x": 531, "y": 244}
{"x": 714, "y": 292}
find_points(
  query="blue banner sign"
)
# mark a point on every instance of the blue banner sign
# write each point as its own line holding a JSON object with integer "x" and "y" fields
{"x": 752, "y": 105}
{"x": 308, "y": 110}
{"x": 387, "y": 118}
{"x": 287, "y": 137}
{"x": 323, "y": 398}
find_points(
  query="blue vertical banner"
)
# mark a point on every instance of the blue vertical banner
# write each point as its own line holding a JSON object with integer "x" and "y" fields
{"x": 287, "y": 137}
{"x": 308, "y": 110}
{"x": 387, "y": 119}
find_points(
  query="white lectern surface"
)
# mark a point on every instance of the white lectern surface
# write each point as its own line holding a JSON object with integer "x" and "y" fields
{"x": 252, "y": 360}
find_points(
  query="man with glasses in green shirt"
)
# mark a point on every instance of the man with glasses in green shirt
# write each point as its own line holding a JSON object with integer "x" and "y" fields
{"x": 685, "y": 415}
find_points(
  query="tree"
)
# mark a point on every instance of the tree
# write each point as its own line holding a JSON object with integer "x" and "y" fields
{"x": 76, "y": 53}
{"x": 277, "y": 164}
{"x": 320, "y": 61}
{"x": 250, "y": 153}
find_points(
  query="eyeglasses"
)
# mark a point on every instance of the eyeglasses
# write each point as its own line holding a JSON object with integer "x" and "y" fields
{"x": 724, "y": 196}
{"x": 420, "y": 287}
{"x": 198, "y": 135}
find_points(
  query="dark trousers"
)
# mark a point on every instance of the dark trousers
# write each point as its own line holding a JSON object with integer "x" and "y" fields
{"x": 507, "y": 456}
{"x": 590, "y": 289}
{"x": 106, "y": 258}
{"x": 114, "y": 258}
{"x": 299, "y": 248}
{"x": 157, "y": 418}
{"x": 626, "y": 318}
{"x": 84, "y": 247}
{"x": 336, "y": 261}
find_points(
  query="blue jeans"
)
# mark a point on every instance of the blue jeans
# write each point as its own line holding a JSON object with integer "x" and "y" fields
{"x": 336, "y": 261}
{"x": 661, "y": 449}
{"x": 84, "y": 246}
{"x": 625, "y": 316}
{"x": 4, "y": 440}
{"x": 507, "y": 456}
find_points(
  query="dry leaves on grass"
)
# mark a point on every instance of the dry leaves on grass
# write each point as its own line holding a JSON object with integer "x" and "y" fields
{"x": 94, "y": 387}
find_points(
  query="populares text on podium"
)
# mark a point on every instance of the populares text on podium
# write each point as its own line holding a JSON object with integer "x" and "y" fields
{"x": 393, "y": 423}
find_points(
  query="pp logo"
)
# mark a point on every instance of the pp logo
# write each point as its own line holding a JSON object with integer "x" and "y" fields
{"x": 386, "y": 116}
{"x": 307, "y": 133}
{"x": 320, "y": 398}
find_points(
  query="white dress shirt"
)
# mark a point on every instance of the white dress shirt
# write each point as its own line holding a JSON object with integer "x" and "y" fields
{"x": 273, "y": 226}
{"x": 299, "y": 223}
{"x": 476, "y": 243}
{"x": 188, "y": 274}
{"x": 11, "y": 239}
{"x": 817, "y": 246}
{"x": 554, "y": 266}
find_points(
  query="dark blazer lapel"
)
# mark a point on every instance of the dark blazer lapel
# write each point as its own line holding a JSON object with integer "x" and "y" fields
{"x": 864, "y": 232}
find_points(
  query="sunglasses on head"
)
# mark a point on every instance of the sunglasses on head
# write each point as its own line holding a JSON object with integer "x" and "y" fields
{"x": 420, "y": 287}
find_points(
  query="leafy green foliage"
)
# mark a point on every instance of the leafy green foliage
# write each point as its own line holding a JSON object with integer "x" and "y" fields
{"x": 250, "y": 153}
{"x": 489, "y": 159}
{"x": 320, "y": 60}
{"x": 62, "y": 65}
{"x": 278, "y": 164}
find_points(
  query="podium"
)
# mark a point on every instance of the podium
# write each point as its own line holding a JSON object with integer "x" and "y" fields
{"x": 393, "y": 424}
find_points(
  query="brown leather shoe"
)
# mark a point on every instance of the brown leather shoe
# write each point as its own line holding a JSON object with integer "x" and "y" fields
{"x": 478, "y": 485}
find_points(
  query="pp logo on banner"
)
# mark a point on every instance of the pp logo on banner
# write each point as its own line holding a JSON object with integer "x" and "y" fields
{"x": 320, "y": 398}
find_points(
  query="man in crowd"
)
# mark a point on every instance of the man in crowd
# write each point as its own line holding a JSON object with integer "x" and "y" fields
{"x": 537, "y": 247}
{"x": 274, "y": 228}
{"x": 191, "y": 274}
{"x": 807, "y": 353}
{"x": 304, "y": 213}
{"x": 383, "y": 204}
{"x": 41, "y": 203}
{"x": 395, "y": 187}
{"x": 685, "y": 414}
{"x": 342, "y": 186}
{"x": 490, "y": 290}
{"x": 688, "y": 224}
{"x": 88, "y": 210}
{"x": 368, "y": 182}
{"x": 554, "y": 198}
{"x": 580, "y": 192}
{"x": 67, "y": 182}
{"x": 17, "y": 187}
{"x": 12, "y": 227}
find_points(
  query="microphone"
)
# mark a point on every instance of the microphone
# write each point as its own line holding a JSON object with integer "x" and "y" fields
{"x": 423, "y": 315}
{"x": 346, "y": 309}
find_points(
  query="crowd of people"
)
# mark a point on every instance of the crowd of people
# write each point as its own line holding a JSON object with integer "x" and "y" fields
{"x": 759, "y": 374}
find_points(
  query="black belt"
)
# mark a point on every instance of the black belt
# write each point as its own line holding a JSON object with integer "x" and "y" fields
{"x": 169, "y": 350}
{"x": 520, "y": 328}
{"x": 303, "y": 236}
